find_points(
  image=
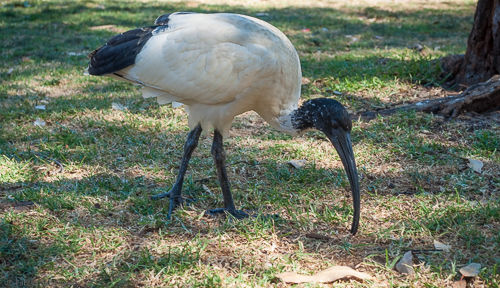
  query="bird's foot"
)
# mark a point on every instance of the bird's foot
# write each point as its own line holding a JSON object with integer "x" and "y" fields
{"x": 161, "y": 195}
{"x": 238, "y": 214}
{"x": 175, "y": 190}
{"x": 175, "y": 199}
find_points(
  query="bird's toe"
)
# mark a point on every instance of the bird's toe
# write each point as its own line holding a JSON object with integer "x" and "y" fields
{"x": 238, "y": 214}
{"x": 161, "y": 196}
{"x": 175, "y": 201}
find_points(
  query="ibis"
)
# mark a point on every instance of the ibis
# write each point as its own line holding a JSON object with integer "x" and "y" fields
{"x": 218, "y": 66}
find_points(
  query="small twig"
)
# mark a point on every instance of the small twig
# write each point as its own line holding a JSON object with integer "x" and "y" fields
{"x": 255, "y": 163}
{"x": 315, "y": 235}
{"x": 59, "y": 164}
{"x": 419, "y": 251}
{"x": 61, "y": 167}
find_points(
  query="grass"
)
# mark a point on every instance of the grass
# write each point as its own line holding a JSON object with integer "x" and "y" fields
{"x": 91, "y": 224}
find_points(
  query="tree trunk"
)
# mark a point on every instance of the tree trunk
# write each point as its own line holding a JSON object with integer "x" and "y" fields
{"x": 482, "y": 59}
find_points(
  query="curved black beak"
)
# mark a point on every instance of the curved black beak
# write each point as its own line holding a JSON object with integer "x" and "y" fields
{"x": 341, "y": 140}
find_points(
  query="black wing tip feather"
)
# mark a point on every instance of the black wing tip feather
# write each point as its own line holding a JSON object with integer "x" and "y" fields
{"x": 120, "y": 51}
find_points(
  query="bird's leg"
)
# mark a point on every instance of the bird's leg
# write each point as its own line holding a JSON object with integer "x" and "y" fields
{"x": 220, "y": 163}
{"x": 175, "y": 192}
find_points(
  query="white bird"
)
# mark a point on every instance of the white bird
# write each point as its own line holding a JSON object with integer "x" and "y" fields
{"x": 221, "y": 65}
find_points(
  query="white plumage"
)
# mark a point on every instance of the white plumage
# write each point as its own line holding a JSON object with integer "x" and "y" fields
{"x": 219, "y": 66}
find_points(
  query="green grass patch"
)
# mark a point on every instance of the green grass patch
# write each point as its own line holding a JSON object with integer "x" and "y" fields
{"x": 75, "y": 206}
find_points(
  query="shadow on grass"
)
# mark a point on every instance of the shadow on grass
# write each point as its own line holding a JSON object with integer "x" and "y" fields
{"x": 63, "y": 196}
{"x": 21, "y": 257}
{"x": 67, "y": 26}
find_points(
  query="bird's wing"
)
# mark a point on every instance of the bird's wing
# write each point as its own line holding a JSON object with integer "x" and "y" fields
{"x": 191, "y": 58}
{"x": 119, "y": 52}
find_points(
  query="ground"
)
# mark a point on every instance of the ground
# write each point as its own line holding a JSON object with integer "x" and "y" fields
{"x": 75, "y": 186}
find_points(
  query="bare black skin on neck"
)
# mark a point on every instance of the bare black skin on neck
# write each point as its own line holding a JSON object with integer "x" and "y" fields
{"x": 321, "y": 113}
{"x": 330, "y": 117}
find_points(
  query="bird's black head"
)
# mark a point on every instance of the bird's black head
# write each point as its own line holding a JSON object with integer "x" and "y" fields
{"x": 327, "y": 114}
{"x": 330, "y": 117}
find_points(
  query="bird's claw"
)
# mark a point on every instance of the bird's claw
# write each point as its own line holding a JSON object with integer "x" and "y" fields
{"x": 175, "y": 201}
{"x": 238, "y": 214}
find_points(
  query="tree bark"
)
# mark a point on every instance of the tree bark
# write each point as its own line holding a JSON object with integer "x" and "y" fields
{"x": 482, "y": 58}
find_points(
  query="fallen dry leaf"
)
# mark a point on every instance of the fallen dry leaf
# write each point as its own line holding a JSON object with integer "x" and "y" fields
{"x": 405, "y": 264}
{"x": 417, "y": 46}
{"x": 118, "y": 106}
{"x": 39, "y": 122}
{"x": 206, "y": 189}
{"x": 471, "y": 270}
{"x": 329, "y": 275}
{"x": 297, "y": 164}
{"x": 315, "y": 235}
{"x": 475, "y": 165}
{"x": 459, "y": 284}
{"x": 352, "y": 38}
{"x": 441, "y": 246}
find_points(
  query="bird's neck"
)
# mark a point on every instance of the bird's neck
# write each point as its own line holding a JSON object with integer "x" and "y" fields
{"x": 303, "y": 117}
{"x": 296, "y": 121}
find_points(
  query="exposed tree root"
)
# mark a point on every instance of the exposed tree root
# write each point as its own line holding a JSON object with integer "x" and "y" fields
{"x": 479, "y": 98}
